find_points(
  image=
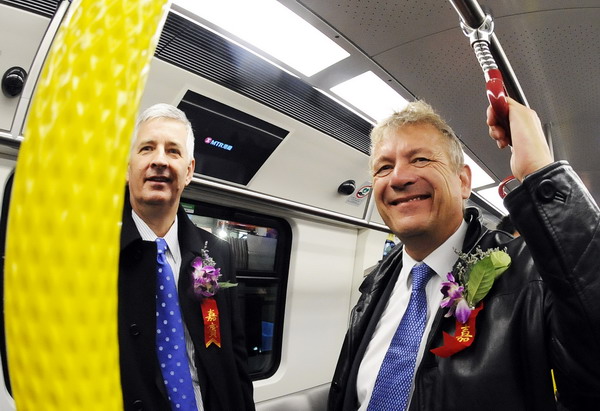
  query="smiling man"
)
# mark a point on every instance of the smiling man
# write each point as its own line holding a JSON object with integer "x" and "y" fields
{"x": 421, "y": 183}
{"x": 167, "y": 360}
{"x": 540, "y": 314}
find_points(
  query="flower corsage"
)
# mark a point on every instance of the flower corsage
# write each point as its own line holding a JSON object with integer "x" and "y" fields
{"x": 463, "y": 294}
{"x": 206, "y": 275}
{"x": 205, "y": 279}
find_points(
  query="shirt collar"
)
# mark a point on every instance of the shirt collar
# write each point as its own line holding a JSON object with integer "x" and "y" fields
{"x": 442, "y": 259}
{"x": 171, "y": 238}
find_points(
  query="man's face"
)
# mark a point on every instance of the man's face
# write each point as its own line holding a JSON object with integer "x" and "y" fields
{"x": 159, "y": 165}
{"x": 418, "y": 193}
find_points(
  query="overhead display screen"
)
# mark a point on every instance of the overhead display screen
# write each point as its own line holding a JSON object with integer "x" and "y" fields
{"x": 230, "y": 144}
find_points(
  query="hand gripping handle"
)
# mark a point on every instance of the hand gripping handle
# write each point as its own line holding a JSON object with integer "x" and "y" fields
{"x": 496, "y": 94}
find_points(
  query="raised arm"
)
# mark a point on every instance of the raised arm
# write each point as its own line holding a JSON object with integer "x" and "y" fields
{"x": 530, "y": 150}
{"x": 560, "y": 222}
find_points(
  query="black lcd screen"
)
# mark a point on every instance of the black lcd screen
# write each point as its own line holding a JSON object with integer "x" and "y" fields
{"x": 230, "y": 144}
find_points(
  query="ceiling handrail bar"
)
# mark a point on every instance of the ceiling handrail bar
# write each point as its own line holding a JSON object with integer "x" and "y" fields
{"x": 202, "y": 183}
{"x": 472, "y": 15}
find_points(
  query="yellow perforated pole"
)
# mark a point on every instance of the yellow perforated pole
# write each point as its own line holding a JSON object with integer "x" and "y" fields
{"x": 64, "y": 223}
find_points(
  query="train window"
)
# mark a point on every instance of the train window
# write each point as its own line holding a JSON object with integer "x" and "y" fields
{"x": 3, "y": 226}
{"x": 261, "y": 250}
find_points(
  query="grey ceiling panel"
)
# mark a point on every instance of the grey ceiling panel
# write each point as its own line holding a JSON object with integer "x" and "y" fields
{"x": 376, "y": 26}
{"x": 556, "y": 54}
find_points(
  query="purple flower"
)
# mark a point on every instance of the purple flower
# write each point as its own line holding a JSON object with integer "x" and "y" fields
{"x": 205, "y": 278}
{"x": 462, "y": 311}
{"x": 454, "y": 298}
{"x": 452, "y": 291}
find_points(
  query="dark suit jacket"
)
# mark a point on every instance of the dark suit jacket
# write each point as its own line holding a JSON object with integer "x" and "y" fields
{"x": 543, "y": 313}
{"x": 223, "y": 376}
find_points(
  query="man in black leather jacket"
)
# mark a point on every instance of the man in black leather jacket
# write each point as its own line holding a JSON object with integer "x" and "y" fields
{"x": 541, "y": 314}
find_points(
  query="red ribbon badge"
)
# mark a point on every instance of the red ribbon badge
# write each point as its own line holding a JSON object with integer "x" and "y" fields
{"x": 463, "y": 338}
{"x": 212, "y": 327}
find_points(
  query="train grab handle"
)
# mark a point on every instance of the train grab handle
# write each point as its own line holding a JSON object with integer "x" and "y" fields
{"x": 496, "y": 94}
{"x": 495, "y": 88}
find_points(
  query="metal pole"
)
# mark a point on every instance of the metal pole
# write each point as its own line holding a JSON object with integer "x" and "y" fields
{"x": 220, "y": 188}
{"x": 472, "y": 15}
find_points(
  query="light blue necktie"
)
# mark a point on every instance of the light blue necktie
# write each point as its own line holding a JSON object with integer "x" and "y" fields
{"x": 392, "y": 386}
{"x": 170, "y": 339}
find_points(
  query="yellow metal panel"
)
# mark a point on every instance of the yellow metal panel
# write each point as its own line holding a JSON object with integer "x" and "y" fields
{"x": 64, "y": 222}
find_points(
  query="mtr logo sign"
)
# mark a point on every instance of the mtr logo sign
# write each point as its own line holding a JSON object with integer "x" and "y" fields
{"x": 218, "y": 144}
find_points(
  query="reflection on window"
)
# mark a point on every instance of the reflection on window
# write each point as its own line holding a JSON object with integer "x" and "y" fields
{"x": 261, "y": 247}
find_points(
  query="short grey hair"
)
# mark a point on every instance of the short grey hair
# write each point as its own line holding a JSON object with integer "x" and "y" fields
{"x": 163, "y": 110}
{"x": 419, "y": 112}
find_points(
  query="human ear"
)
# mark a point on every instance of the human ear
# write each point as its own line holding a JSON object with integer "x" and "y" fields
{"x": 190, "y": 171}
{"x": 465, "y": 181}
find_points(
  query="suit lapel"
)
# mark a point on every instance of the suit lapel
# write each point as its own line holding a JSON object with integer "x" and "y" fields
{"x": 209, "y": 361}
{"x": 190, "y": 243}
{"x": 384, "y": 281}
{"x": 475, "y": 232}
{"x": 140, "y": 288}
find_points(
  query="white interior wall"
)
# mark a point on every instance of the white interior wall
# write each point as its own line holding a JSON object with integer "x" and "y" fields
{"x": 20, "y": 36}
{"x": 316, "y": 311}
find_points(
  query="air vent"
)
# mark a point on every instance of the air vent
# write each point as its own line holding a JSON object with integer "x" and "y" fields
{"x": 195, "y": 49}
{"x": 45, "y": 8}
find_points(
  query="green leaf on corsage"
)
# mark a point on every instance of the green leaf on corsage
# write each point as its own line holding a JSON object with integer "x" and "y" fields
{"x": 483, "y": 273}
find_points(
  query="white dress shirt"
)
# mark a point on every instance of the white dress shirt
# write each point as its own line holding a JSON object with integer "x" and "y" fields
{"x": 174, "y": 260}
{"x": 441, "y": 260}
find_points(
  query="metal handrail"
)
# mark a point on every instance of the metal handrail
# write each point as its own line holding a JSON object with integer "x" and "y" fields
{"x": 472, "y": 15}
{"x": 270, "y": 200}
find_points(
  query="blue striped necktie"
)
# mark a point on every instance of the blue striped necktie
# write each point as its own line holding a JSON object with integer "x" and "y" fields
{"x": 393, "y": 383}
{"x": 170, "y": 339}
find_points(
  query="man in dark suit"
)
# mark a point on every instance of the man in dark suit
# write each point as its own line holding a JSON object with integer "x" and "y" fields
{"x": 492, "y": 350}
{"x": 161, "y": 164}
